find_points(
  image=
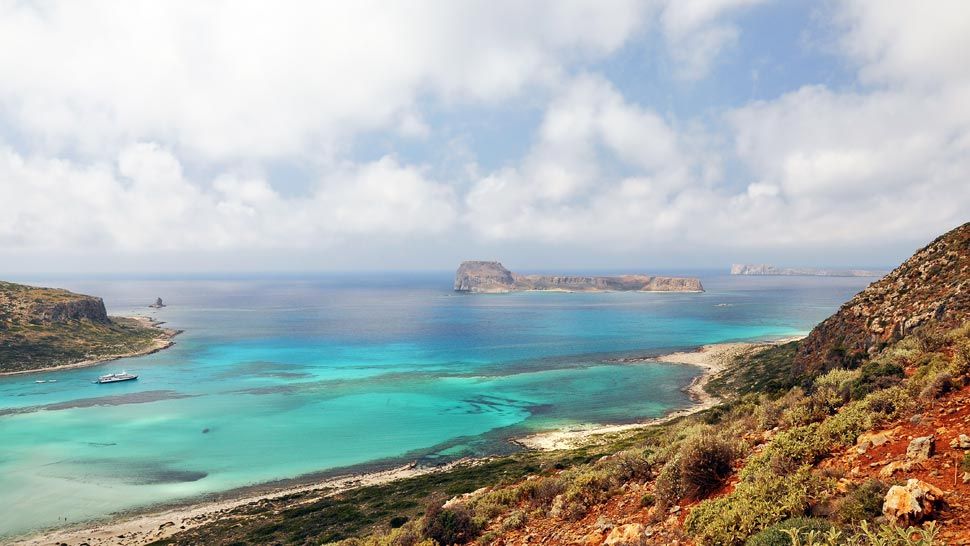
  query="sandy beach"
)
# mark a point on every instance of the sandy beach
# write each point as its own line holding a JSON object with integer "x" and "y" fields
{"x": 162, "y": 341}
{"x": 711, "y": 358}
{"x": 144, "y": 528}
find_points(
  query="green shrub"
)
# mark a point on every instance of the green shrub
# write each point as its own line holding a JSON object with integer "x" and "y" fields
{"x": 454, "y": 525}
{"x": 706, "y": 463}
{"x": 862, "y": 503}
{"x": 834, "y": 389}
{"x": 940, "y": 384}
{"x": 775, "y": 535}
{"x": 515, "y": 520}
{"x": 757, "y": 502}
{"x": 875, "y": 375}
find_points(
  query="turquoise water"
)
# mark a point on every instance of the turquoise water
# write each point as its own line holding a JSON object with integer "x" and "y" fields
{"x": 275, "y": 378}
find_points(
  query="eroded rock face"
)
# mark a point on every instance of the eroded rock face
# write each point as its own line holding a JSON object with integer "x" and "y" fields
{"x": 83, "y": 307}
{"x": 493, "y": 277}
{"x": 911, "y": 503}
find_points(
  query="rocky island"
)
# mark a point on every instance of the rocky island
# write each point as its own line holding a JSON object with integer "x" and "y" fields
{"x": 44, "y": 328}
{"x": 494, "y": 278}
{"x": 765, "y": 269}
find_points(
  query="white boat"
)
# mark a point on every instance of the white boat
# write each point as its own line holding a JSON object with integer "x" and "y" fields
{"x": 41, "y": 381}
{"x": 116, "y": 377}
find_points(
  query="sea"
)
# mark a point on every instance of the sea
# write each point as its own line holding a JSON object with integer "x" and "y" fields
{"x": 285, "y": 377}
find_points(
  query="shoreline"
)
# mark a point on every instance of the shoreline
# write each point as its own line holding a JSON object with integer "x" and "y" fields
{"x": 712, "y": 359}
{"x": 142, "y": 526}
{"x": 163, "y": 340}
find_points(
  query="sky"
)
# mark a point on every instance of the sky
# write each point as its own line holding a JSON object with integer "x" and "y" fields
{"x": 232, "y": 136}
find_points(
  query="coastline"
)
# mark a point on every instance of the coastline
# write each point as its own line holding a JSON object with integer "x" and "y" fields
{"x": 712, "y": 359}
{"x": 163, "y": 340}
{"x": 148, "y": 525}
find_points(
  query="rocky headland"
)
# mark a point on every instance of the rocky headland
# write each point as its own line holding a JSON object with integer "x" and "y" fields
{"x": 47, "y": 328}
{"x": 765, "y": 269}
{"x": 493, "y": 277}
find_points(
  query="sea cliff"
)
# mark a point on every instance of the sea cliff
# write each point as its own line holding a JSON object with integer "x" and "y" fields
{"x": 493, "y": 277}
{"x": 44, "y": 328}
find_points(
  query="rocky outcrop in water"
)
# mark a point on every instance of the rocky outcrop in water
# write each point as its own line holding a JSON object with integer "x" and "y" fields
{"x": 493, "y": 277}
{"x": 765, "y": 269}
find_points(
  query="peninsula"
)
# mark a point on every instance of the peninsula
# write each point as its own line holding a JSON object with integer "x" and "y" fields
{"x": 494, "y": 278}
{"x": 765, "y": 269}
{"x": 46, "y": 328}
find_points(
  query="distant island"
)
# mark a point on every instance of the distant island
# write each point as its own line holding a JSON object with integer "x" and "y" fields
{"x": 765, "y": 269}
{"x": 45, "y": 328}
{"x": 493, "y": 277}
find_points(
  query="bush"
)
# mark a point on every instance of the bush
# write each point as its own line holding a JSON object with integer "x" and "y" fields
{"x": 705, "y": 464}
{"x": 515, "y": 520}
{"x": 834, "y": 389}
{"x": 862, "y": 503}
{"x": 446, "y": 526}
{"x": 757, "y": 502}
{"x": 875, "y": 375}
{"x": 776, "y": 535}
{"x": 940, "y": 384}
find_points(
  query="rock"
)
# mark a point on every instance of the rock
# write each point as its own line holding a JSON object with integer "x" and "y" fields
{"x": 962, "y": 442}
{"x": 158, "y": 304}
{"x": 966, "y": 477}
{"x": 604, "y": 524}
{"x": 891, "y": 468}
{"x": 920, "y": 448}
{"x": 909, "y": 504}
{"x": 493, "y": 277}
{"x": 631, "y": 534}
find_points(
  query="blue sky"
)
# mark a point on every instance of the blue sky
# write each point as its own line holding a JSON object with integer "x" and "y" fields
{"x": 171, "y": 136}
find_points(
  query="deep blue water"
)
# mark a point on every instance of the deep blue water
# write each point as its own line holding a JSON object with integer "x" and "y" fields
{"x": 279, "y": 377}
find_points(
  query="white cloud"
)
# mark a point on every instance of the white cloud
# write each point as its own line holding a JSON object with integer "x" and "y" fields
{"x": 697, "y": 31}
{"x": 825, "y": 167}
{"x": 144, "y": 203}
{"x": 226, "y": 79}
{"x": 135, "y": 93}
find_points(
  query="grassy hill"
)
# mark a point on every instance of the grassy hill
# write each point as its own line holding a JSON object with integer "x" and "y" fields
{"x": 48, "y": 327}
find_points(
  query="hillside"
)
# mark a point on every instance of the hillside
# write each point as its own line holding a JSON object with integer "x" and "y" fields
{"x": 47, "y": 327}
{"x": 933, "y": 286}
{"x": 493, "y": 277}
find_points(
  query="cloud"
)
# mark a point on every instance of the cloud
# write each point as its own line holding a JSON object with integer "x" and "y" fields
{"x": 135, "y": 127}
{"x": 818, "y": 166}
{"x": 697, "y": 31}
{"x": 143, "y": 202}
{"x": 227, "y": 80}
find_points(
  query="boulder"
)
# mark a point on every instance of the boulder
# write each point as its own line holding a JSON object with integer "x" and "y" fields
{"x": 962, "y": 442}
{"x": 911, "y": 503}
{"x": 631, "y": 534}
{"x": 920, "y": 448}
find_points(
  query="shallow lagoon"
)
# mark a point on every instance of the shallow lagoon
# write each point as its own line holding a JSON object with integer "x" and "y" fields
{"x": 279, "y": 377}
